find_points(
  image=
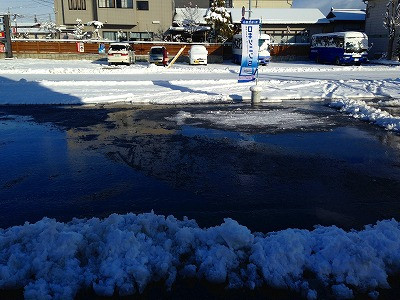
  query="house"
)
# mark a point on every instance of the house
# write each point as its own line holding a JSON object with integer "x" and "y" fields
{"x": 263, "y": 3}
{"x": 377, "y": 34}
{"x": 189, "y": 24}
{"x": 346, "y": 19}
{"x": 237, "y": 3}
{"x": 286, "y": 25}
{"x": 31, "y": 30}
{"x": 125, "y": 19}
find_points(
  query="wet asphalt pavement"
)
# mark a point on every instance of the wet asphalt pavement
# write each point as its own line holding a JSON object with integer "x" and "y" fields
{"x": 85, "y": 161}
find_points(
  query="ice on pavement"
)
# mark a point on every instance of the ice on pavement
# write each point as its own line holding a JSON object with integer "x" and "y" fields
{"x": 287, "y": 119}
{"x": 125, "y": 253}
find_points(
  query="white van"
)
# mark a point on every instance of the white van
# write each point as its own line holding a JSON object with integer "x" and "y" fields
{"x": 120, "y": 53}
{"x": 198, "y": 55}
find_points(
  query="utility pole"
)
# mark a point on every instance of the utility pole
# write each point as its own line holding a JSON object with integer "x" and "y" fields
{"x": 7, "y": 34}
{"x": 249, "y": 9}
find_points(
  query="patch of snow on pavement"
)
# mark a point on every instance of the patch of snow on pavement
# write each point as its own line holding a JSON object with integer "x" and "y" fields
{"x": 125, "y": 253}
{"x": 288, "y": 119}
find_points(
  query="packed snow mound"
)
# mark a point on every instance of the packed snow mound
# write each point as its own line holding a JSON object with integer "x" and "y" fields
{"x": 361, "y": 110}
{"x": 125, "y": 253}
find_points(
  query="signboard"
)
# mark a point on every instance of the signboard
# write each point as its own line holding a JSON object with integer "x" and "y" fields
{"x": 250, "y": 36}
{"x": 102, "y": 48}
{"x": 2, "y": 34}
{"x": 1, "y": 20}
{"x": 80, "y": 46}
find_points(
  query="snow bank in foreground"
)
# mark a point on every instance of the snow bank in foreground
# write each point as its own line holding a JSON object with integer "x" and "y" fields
{"x": 126, "y": 252}
{"x": 361, "y": 110}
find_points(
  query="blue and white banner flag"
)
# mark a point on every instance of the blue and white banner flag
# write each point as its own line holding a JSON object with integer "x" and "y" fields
{"x": 250, "y": 36}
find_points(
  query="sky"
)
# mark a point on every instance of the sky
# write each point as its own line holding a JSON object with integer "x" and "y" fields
{"x": 44, "y": 8}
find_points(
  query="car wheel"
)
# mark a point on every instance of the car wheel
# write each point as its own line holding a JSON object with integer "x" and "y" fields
{"x": 337, "y": 61}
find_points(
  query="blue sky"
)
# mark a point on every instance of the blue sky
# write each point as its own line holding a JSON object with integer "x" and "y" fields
{"x": 42, "y": 8}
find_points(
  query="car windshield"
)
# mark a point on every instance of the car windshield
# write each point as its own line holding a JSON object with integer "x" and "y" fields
{"x": 355, "y": 45}
{"x": 118, "y": 47}
{"x": 156, "y": 51}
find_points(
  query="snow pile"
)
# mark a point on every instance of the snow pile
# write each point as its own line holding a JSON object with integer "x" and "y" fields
{"x": 288, "y": 119}
{"x": 361, "y": 110}
{"x": 389, "y": 103}
{"x": 125, "y": 253}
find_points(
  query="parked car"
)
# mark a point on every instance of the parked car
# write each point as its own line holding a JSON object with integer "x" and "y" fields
{"x": 158, "y": 55}
{"x": 198, "y": 55}
{"x": 120, "y": 53}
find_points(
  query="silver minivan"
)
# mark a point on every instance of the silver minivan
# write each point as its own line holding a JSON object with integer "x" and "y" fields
{"x": 158, "y": 55}
{"x": 120, "y": 53}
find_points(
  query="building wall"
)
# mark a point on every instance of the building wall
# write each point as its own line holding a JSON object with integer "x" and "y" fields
{"x": 155, "y": 20}
{"x": 377, "y": 33}
{"x": 199, "y": 3}
{"x": 263, "y": 3}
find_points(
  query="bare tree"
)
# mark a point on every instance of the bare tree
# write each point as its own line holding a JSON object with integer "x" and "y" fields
{"x": 51, "y": 28}
{"x": 78, "y": 30}
{"x": 192, "y": 20}
{"x": 391, "y": 22}
{"x": 97, "y": 25}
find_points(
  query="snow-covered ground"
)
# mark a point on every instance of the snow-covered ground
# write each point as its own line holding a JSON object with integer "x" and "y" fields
{"x": 29, "y": 81}
{"x": 125, "y": 253}
{"x": 86, "y": 82}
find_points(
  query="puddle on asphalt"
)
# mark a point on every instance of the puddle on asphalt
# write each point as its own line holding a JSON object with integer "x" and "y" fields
{"x": 346, "y": 174}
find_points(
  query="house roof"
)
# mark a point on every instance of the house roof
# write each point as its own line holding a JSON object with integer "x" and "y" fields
{"x": 346, "y": 14}
{"x": 282, "y": 15}
{"x": 25, "y": 24}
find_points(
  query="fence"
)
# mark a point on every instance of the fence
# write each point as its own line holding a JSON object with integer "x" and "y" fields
{"x": 90, "y": 49}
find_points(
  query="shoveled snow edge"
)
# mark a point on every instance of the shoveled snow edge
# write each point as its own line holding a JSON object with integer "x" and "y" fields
{"x": 127, "y": 252}
{"x": 361, "y": 110}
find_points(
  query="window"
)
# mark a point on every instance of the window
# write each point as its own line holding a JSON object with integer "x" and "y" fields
{"x": 77, "y": 4}
{"x": 124, "y": 3}
{"x": 110, "y": 35}
{"x": 141, "y": 36}
{"x": 107, "y": 3}
{"x": 142, "y": 5}
{"x": 116, "y": 3}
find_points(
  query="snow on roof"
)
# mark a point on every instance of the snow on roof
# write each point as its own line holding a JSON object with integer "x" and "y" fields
{"x": 196, "y": 13}
{"x": 282, "y": 15}
{"x": 25, "y": 24}
{"x": 33, "y": 30}
{"x": 346, "y": 14}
